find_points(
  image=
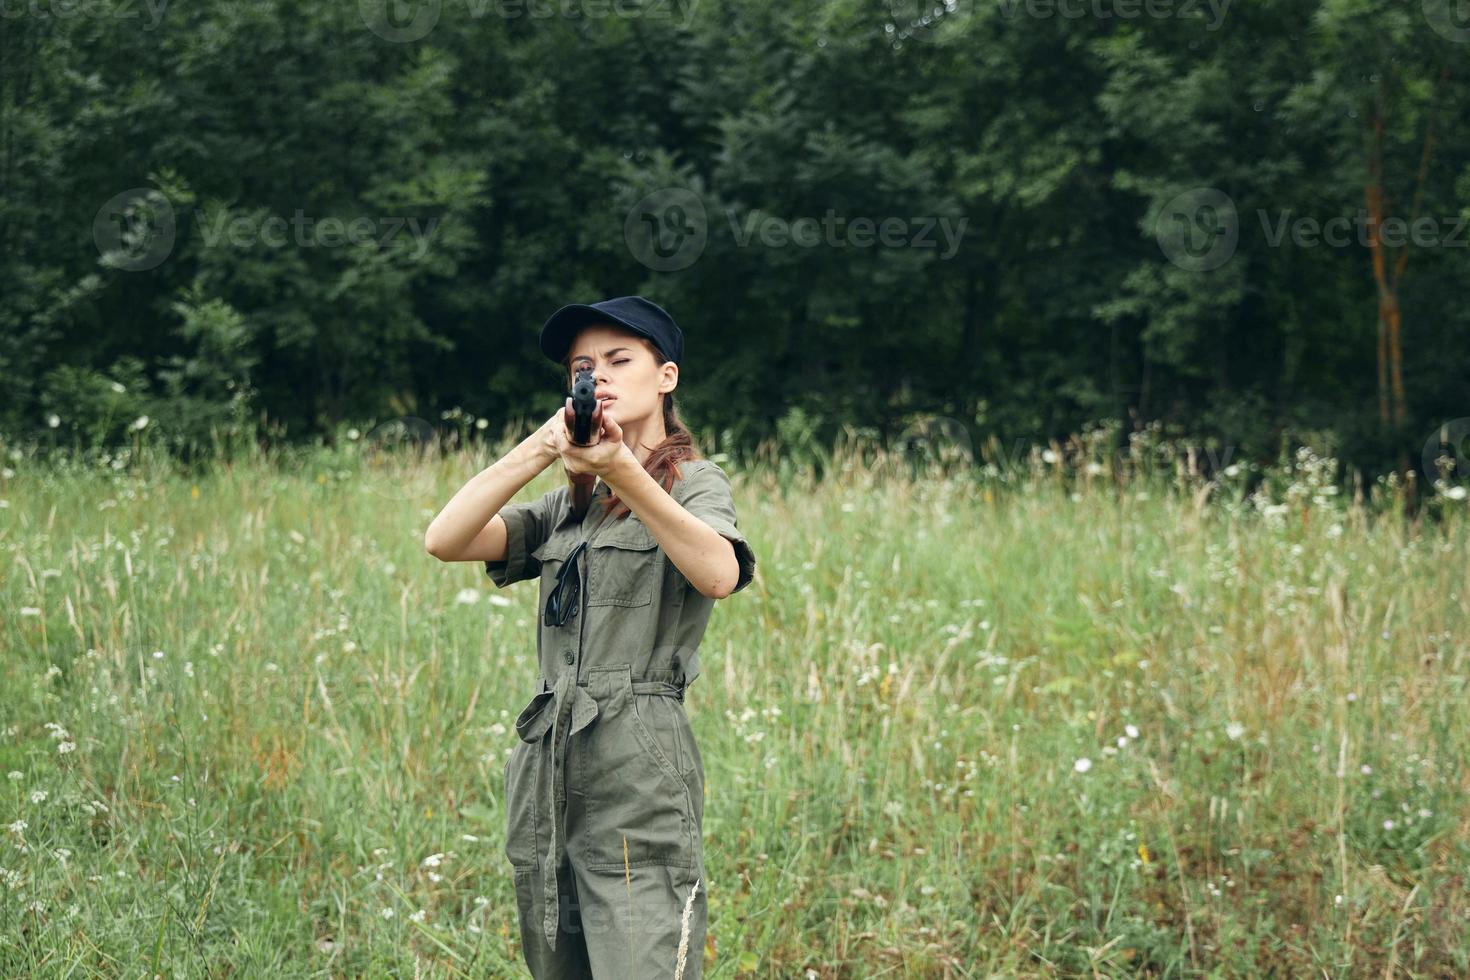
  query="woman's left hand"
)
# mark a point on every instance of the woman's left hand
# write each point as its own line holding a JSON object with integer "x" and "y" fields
{"x": 598, "y": 458}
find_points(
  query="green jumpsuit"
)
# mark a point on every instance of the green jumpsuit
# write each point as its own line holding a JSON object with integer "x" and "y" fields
{"x": 604, "y": 792}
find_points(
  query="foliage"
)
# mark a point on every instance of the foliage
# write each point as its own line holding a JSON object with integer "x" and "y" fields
{"x": 495, "y": 164}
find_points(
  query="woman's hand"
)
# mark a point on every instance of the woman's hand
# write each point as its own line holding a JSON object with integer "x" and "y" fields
{"x": 606, "y": 446}
{"x": 545, "y": 439}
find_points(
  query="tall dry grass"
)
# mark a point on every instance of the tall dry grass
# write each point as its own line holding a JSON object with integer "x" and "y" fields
{"x": 1032, "y": 717}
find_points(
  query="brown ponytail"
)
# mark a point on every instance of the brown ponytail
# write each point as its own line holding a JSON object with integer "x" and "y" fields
{"x": 677, "y": 447}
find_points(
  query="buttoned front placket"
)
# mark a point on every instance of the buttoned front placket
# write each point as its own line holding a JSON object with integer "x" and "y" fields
{"x": 569, "y": 637}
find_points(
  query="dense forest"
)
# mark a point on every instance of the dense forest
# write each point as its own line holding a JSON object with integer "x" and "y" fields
{"x": 1235, "y": 219}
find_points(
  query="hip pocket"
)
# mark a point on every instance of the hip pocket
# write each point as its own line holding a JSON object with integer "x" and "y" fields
{"x": 638, "y": 806}
{"x": 521, "y": 775}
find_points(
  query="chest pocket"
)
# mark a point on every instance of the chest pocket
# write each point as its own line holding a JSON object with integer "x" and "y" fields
{"x": 626, "y": 565}
{"x": 553, "y": 552}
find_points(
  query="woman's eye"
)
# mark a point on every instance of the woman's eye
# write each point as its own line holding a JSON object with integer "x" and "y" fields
{"x": 623, "y": 361}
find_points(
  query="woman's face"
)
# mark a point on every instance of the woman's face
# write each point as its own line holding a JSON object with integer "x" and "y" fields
{"x": 625, "y": 371}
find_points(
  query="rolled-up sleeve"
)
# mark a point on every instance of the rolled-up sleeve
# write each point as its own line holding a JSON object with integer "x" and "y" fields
{"x": 707, "y": 495}
{"x": 526, "y": 529}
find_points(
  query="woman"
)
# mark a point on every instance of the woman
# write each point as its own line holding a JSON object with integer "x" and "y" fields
{"x": 605, "y": 789}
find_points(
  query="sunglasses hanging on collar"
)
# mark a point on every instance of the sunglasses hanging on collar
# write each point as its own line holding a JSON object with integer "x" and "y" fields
{"x": 565, "y": 598}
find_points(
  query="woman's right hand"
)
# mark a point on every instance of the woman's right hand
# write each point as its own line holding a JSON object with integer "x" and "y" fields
{"x": 549, "y": 437}
{"x": 555, "y": 433}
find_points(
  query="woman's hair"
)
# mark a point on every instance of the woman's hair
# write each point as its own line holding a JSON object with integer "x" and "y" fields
{"x": 677, "y": 447}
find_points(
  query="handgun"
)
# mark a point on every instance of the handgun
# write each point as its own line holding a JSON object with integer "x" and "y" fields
{"x": 583, "y": 415}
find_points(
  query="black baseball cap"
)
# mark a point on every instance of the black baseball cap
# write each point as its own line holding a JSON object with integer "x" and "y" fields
{"x": 633, "y": 312}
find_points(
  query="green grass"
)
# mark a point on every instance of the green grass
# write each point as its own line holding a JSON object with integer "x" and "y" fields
{"x": 283, "y": 710}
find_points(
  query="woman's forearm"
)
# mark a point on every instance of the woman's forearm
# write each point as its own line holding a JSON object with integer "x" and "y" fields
{"x": 706, "y": 557}
{"x": 471, "y": 509}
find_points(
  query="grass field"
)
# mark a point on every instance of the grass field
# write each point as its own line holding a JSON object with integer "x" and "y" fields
{"x": 1033, "y": 722}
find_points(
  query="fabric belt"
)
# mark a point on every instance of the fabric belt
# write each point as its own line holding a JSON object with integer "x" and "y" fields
{"x": 564, "y": 708}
